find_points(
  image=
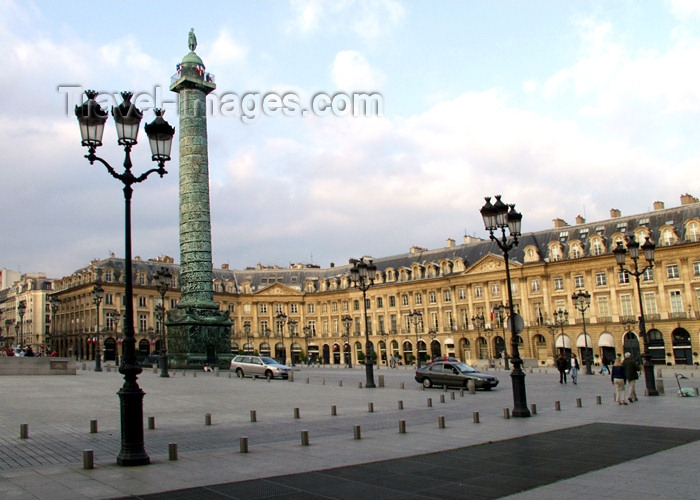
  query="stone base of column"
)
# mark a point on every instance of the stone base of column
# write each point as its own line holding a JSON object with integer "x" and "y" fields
{"x": 197, "y": 336}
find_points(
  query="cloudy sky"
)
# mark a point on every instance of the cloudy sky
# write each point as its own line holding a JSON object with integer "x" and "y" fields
{"x": 565, "y": 108}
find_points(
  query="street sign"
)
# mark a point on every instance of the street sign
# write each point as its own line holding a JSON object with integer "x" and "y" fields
{"x": 516, "y": 324}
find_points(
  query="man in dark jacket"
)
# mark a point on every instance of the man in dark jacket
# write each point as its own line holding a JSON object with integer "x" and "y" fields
{"x": 631, "y": 374}
{"x": 563, "y": 366}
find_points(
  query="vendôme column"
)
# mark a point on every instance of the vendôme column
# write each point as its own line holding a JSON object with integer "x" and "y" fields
{"x": 198, "y": 332}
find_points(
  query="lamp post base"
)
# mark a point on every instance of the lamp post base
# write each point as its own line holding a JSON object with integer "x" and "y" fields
{"x": 520, "y": 408}
{"x": 649, "y": 376}
{"x": 132, "y": 452}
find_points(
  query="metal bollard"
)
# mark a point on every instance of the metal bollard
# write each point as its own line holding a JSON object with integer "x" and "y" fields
{"x": 472, "y": 386}
{"x": 333, "y": 410}
{"x": 400, "y": 405}
{"x": 155, "y": 370}
{"x": 660, "y": 387}
{"x": 402, "y": 427}
{"x": 441, "y": 422}
{"x": 430, "y": 402}
{"x": 357, "y": 432}
{"x": 290, "y": 376}
{"x": 305, "y": 438}
{"x": 598, "y": 400}
{"x": 307, "y": 380}
{"x": 475, "y": 416}
{"x": 403, "y": 385}
{"x": 296, "y": 412}
{"x": 172, "y": 451}
{"x": 461, "y": 393}
{"x": 359, "y": 385}
{"x": 323, "y": 381}
{"x": 340, "y": 383}
{"x": 380, "y": 380}
{"x": 93, "y": 426}
{"x": 194, "y": 374}
{"x": 243, "y": 444}
{"x": 578, "y": 403}
{"x": 207, "y": 419}
{"x": 697, "y": 392}
{"x": 452, "y": 395}
{"x": 557, "y": 405}
{"x": 151, "y": 423}
{"x": 253, "y": 416}
{"x": 370, "y": 407}
{"x": 442, "y": 398}
{"x": 230, "y": 375}
{"x": 88, "y": 459}
{"x": 216, "y": 371}
{"x": 533, "y": 409}
{"x": 23, "y": 431}
{"x": 506, "y": 413}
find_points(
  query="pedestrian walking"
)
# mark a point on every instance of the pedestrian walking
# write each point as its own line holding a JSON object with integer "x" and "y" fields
{"x": 617, "y": 377}
{"x": 574, "y": 368}
{"x": 604, "y": 362}
{"x": 563, "y": 367}
{"x": 632, "y": 375}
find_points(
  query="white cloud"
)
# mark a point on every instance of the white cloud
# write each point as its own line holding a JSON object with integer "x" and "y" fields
{"x": 352, "y": 72}
{"x": 367, "y": 19}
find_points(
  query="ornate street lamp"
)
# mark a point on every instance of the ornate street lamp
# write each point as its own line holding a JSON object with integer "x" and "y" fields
{"x": 281, "y": 320}
{"x": 163, "y": 279}
{"x": 500, "y": 310}
{"x": 55, "y": 305}
{"x": 21, "y": 308}
{"x": 499, "y": 216}
{"x": 561, "y": 318}
{"x": 307, "y": 336}
{"x": 97, "y": 295}
{"x": 127, "y": 117}
{"x": 416, "y": 317}
{"x": 362, "y": 275}
{"x": 248, "y": 335}
{"x": 648, "y": 248}
{"x": 582, "y": 301}
{"x": 347, "y": 323}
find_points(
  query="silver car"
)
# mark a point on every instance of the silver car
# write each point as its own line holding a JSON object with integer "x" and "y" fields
{"x": 259, "y": 366}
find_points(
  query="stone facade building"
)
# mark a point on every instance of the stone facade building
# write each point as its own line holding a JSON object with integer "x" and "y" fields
{"x": 290, "y": 313}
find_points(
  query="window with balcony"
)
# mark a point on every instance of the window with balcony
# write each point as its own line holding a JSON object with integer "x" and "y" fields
{"x": 404, "y": 300}
{"x": 447, "y": 294}
{"x": 535, "y": 285}
{"x": 478, "y": 293}
{"x": 558, "y": 283}
{"x": 578, "y": 281}
{"x": 432, "y": 297}
{"x": 623, "y": 277}
{"x": 263, "y": 308}
{"x": 676, "y": 303}
{"x": 418, "y": 299}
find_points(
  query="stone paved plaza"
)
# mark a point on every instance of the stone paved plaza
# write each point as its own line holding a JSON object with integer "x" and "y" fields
{"x": 640, "y": 461}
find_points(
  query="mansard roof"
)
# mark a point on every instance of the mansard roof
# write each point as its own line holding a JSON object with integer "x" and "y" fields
{"x": 470, "y": 253}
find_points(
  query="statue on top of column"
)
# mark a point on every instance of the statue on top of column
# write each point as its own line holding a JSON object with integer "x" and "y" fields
{"x": 192, "y": 40}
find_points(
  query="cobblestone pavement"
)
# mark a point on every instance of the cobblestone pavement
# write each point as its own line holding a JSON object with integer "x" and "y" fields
{"x": 58, "y": 411}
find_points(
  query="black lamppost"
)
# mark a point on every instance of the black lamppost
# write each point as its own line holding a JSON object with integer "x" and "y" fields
{"x": 163, "y": 280}
{"x": 281, "y": 320}
{"x": 21, "y": 308}
{"x": 347, "y": 323}
{"x": 552, "y": 331}
{"x": 248, "y": 335}
{"x": 582, "y": 301}
{"x": 502, "y": 216}
{"x": 561, "y": 318}
{"x": 500, "y": 310}
{"x": 97, "y": 295}
{"x": 55, "y": 304}
{"x": 362, "y": 276}
{"x": 2, "y": 339}
{"x": 127, "y": 117}
{"x": 307, "y": 335}
{"x": 648, "y": 247}
{"x": 416, "y": 317}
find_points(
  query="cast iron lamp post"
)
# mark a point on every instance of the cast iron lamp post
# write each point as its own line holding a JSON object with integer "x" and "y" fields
{"x": 97, "y": 295}
{"x": 292, "y": 324}
{"x": 307, "y": 336}
{"x": 362, "y": 275}
{"x": 281, "y": 320}
{"x": 500, "y": 310}
{"x": 582, "y": 301}
{"x": 21, "y": 308}
{"x": 502, "y": 216}
{"x": 55, "y": 304}
{"x": 347, "y": 323}
{"x": 127, "y": 118}
{"x": 246, "y": 330}
{"x": 552, "y": 331}
{"x": 163, "y": 279}
{"x": 416, "y": 318}
{"x": 561, "y": 318}
{"x": 633, "y": 247}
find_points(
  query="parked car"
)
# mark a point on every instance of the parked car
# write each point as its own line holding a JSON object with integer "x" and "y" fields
{"x": 259, "y": 366}
{"x": 453, "y": 374}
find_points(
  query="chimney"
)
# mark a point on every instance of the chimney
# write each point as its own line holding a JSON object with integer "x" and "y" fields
{"x": 688, "y": 199}
{"x": 659, "y": 205}
{"x": 332, "y": 264}
{"x": 559, "y": 223}
{"x": 450, "y": 243}
{"x": 580, "y": 220}
{"x": 615, "y": 213}
{"x": 224, "y": 266}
